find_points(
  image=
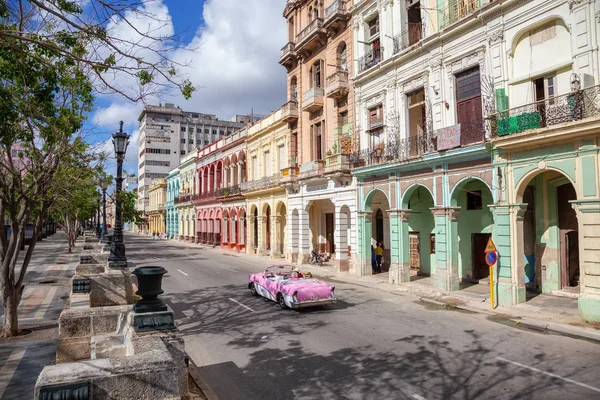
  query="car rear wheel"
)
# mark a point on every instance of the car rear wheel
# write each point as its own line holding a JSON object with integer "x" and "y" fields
{"x": 281, "y": 301}
{"x": 253, "y": 289}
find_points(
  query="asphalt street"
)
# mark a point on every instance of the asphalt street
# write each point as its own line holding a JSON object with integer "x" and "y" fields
{"x": 370, "y": 345}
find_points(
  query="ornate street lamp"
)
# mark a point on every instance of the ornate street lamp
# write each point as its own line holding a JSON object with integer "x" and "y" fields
{"x": 98, "y": 198}
{"x": 117, "y": 258}
{"x": 104, "y": 238}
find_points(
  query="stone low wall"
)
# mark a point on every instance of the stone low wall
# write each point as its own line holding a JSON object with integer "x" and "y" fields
{"x": 156, "y": 370}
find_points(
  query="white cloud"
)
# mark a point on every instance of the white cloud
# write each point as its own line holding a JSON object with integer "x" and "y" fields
{"x": 110, "y": 116}
{"x": 236, "y": 65}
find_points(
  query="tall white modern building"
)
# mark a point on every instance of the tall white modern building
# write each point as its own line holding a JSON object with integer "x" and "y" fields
{"x": 168, "y": 133}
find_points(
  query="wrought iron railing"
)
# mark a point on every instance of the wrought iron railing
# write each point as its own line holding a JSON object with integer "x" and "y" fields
{"x": 228, "y": 191}
{"x": 570, "y": 107}
{"x": 263, "y": 183}
{"x": 371, "y": 59}
{"x": 288, "y": 48}
{"x": 413, "y": 35}
{"x": 336, "y": 6}
{"x": 315, "y": 24}
{"x": 393, "y": 150}
{"x": 457, "y": 10}
{"x": 183, "y": 199}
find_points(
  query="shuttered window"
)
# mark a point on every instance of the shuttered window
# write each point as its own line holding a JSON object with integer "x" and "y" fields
{"x": 468, "y": 96}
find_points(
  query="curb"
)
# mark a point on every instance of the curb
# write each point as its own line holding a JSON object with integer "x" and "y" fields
{"x": 559, "y": 329}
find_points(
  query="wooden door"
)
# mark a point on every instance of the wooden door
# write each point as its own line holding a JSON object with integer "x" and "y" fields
{"x": 414, "y": 250}
{"x": 329, "y": 226}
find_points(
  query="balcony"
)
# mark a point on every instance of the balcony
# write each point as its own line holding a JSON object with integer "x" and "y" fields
{"x": 336, "y": 84}
{"x": 456, "y": 11}
{"x": 336, "y": 17}
{"x": 186, "y": 198}
{"x": 229, "y": 191}
{"x": 412, "y": 36}
{"x": 369, "y": 60}
{"x": 337, "y": 163}
{"x": 311, "y": 169}
{"x": 261, "y": 184}
{"x": 288, "y": 55}
{"x": 313, "y": 99}
{"x": 289, "y": 111}
{"x": 311, "y": 37}
{"x": 290, "y": 174}
{"x": 393, "y": 150}
{"x": 155, "y": 209}
{"x": 571, "y": 107}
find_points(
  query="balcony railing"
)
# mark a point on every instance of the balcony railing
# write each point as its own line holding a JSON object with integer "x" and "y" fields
{"x": 574, "y": 106}
{"x": 228, "y": 191}
{"x": 336, "y": 84}
{"x": 456, "y": 11}
{"x": 311, "y": 169}
{"x": 313, "y": 99}
{"x": 183, "y": 199}
{"x": 310, "y": 28}
{"x": 413, "y": 35}
{"x": 288, "y": 49}
{"x": 369, "y": 60}
{"x": 336, "y": 6}
{"x": 289, "y": 111}
{"x": 263, "y": 183}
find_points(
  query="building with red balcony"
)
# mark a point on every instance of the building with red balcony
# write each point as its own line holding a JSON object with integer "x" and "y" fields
{"x": 209, "y": 172}
{"x": 233, "y": 203}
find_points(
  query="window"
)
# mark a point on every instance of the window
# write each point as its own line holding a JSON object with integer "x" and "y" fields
{"x": 343, "y": 118}
{"x": 182, "y": 140}
{"x": 468, "y": 96}
{"x": 375, "y": 116}
{"x": 254, "y": 168}
{"x": 183, "y": 129}
{"x": 316, "y": 74}
{"x": 221, "y": 133}
{"x": 182, "y": 152}
{"x": 206, "y": 131}
{"x": 432, "y": 243}
{"x": 267, "y": 163}
{"x": 318, "y": 141}
{"x": 214, "y": 132}
{"x": 474, "y": 200}
{"x": 294, "y": 89}
{"x": 416, "y": 113}
{"x": 415, "y": 27}
{"x": 291, "y": 31}
{"x": 545, "y": 88}
{"x": 342, "y": 57}
{"x": 281, "y": 160}
{"x": 542, "y": 34}
{"x": 373, "y": 26}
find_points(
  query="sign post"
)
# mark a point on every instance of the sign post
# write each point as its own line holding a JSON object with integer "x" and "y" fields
{"x": 491, "y": 258}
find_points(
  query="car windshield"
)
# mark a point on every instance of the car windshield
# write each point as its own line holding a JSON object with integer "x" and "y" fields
{"x": 280, "y": 270}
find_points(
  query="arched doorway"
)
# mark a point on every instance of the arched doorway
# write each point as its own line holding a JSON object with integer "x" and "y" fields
{"x": 548, "y": 234}
{"x": 474, "y": 228}
{"x": 281, "y": 229}
{"x": 377, "y": 229}
{"x": 421, "y": 230}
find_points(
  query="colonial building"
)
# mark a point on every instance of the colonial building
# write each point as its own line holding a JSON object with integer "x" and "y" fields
{"x": 209, "y": 217}
{"x": 156, "y": 209}
{"x": 173, "y": 183}
{"x": 233, "y": 203}
{"x": 473, "y": 126}
{"x": 184, "y": 200}
{"x": 320, "y": 114}
{"x": 267, "y": 156}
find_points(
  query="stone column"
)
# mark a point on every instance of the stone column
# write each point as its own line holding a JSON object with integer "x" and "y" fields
{"x": 275, "y": 236}
{"x": 340, "y": 237}
{"x": 446, "y": 248}
{"x": 225, "y": 234}
{"x": 364, "y": 228}
{"x": 399, "y": 252}
{"x": 226, "y": 176}
{"x": 304, "y": 246}
{"x": 239, "y": 172}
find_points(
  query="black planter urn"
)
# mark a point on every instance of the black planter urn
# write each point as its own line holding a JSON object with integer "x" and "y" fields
{"x": 149, "y": 287}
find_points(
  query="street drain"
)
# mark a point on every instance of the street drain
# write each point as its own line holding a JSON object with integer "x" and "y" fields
{"x": 48, "y": 282}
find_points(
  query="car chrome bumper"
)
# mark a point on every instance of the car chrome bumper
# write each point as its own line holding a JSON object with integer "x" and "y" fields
{"x": 314, "y": 303}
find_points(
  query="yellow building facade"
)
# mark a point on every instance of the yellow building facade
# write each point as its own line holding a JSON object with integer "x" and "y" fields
{"x": 266, "y": 198}
{"x": 156, "y": 209}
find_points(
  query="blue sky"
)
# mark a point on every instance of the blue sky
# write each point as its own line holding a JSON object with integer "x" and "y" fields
{"x": 235, "y": 69}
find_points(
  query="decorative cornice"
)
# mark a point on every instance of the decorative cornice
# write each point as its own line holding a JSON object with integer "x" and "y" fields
{"x": 574, "y": 3}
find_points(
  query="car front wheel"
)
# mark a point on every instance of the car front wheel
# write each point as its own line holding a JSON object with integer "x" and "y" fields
{"x": 253, "y": 289}
{"x": 281, "y": 302}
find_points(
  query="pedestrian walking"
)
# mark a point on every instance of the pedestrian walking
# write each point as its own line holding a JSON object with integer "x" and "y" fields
{"x": 373, "y": 260}
{"x": 379, "y": 256}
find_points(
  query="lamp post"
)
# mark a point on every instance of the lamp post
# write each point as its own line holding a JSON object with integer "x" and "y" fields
{"x": 117, "y": 258}
{"x": 98, "y": 198}
{"x": 104, "y": 235}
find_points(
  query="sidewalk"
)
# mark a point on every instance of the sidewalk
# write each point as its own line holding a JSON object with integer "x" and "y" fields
{"x": 546, "y": 313}
{"x": 44, "y": 297}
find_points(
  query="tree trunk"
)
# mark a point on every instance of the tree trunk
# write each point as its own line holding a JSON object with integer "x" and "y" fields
{"x": 11, "y": 299}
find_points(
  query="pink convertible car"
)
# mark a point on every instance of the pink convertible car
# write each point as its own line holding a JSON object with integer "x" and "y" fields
{"x": 289, "y": 288}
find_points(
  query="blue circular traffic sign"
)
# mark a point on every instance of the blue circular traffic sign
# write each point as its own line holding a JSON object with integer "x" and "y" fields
{"x": 491, "y": 257}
